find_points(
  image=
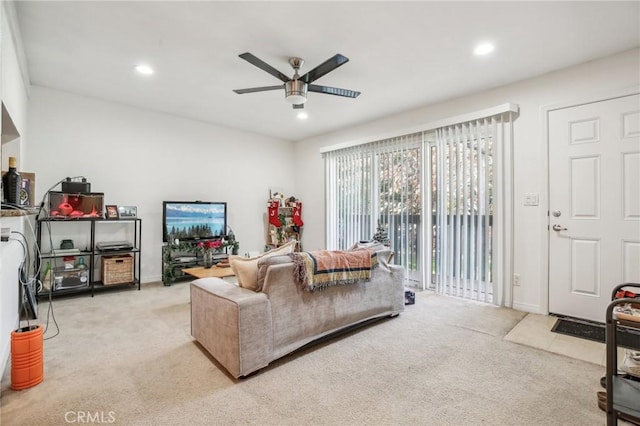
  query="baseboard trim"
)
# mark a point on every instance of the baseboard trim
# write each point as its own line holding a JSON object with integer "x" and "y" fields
{"x": 528, "y": 307}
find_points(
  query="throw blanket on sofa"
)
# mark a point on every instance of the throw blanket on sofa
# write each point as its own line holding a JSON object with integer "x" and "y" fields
{"x": 321, "y": 269}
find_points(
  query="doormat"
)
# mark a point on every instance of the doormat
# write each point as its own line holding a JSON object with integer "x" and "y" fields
{"x": 628, "y": 338}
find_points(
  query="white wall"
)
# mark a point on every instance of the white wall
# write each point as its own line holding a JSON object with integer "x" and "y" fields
{"x": 591, "y": 79}
{"x": 14, "y": 86}
{"x": 13, "y": 93}
{"x": 140, "y": 158}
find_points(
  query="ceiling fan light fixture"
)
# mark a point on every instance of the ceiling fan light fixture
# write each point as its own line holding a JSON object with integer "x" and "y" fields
{"x": 295, "y": 92}
{"x": 296, "y": 87}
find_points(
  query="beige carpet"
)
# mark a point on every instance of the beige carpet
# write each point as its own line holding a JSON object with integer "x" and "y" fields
{"x": 127, "y": 358}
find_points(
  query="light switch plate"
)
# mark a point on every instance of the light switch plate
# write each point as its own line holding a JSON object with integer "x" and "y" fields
{"x": 530, "y": 199}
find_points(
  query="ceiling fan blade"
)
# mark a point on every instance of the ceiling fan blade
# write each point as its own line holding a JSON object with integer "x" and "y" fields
{"x": 333, "y": 91}
{"x": 324, "y": 68}
{"x": 258, "y": 89}
{"x": 264, "y": 66}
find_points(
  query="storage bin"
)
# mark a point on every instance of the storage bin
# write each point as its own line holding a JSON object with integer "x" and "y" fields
{"x": 117, "y": 269}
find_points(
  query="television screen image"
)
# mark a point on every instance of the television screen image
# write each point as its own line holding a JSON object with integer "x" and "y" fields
{"x": 184, "y": 220}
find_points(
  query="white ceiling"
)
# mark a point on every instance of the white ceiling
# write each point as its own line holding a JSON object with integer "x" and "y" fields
{"x": 403, "y": 55}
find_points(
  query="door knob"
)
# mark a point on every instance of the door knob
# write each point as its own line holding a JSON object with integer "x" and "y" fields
{"x": 557, "y": 227}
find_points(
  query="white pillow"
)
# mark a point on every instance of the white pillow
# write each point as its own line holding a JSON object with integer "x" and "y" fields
{"x": 246, "y": 268}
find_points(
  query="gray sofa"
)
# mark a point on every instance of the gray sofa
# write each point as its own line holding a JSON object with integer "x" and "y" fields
{"x": 245, "y": 330}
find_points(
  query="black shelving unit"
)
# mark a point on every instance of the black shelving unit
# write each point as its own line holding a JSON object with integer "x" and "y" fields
{"x": 92, "y": 270}
{"x": 623, "y": 393}
{"x": 172, "y": 265}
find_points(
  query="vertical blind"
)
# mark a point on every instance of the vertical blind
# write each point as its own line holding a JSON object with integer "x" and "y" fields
{"x": 462, "y": 170}
{"x": 461, "y": 174}
{"x": 376, "y": 185}
{"x": 348, "y": 174}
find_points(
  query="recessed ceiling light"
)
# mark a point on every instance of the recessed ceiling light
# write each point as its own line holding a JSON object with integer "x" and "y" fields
{"x": 144, "y": 69}
{"x": 483, "y": 49}
{"x": 302, "y": 115}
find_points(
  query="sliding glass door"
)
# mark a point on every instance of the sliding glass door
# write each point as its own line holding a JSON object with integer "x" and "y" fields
{"x": 461, "y": 175}
{"x": 377, "y": 185}
{"x": 399, "y": 198}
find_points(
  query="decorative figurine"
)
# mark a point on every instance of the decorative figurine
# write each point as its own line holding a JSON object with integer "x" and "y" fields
{"x": 381, "y": 235}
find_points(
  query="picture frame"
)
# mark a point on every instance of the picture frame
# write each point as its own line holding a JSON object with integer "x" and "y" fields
{"x": 126, "y": 212}
{"x": 27, "y": 190}
{"x": 112, "y": 212}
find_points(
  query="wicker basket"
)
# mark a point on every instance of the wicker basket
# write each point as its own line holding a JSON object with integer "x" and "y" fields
{"x": 117, "y": 269}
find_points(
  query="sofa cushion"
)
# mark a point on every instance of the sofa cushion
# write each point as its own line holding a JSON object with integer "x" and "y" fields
{"x": 263, "y": 266}
{"x": 246, "y": 268}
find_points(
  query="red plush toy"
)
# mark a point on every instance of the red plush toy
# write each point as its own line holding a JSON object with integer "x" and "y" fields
{"x": 65, "y": 208}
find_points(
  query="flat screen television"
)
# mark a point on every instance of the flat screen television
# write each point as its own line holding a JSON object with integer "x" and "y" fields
{"x": 193, "y": 220}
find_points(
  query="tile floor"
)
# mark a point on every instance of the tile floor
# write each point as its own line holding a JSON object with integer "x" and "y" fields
{"x": 535, "y": 330}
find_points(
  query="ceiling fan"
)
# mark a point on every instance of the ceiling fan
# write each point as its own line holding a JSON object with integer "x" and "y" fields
{"x": 296, "y": 87}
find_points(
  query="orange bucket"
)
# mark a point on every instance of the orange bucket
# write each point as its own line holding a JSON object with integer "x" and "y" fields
{"x": 27, "y": 367}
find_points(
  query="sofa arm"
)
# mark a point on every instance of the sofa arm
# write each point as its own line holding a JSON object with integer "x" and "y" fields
{"x": 233, "y": 324}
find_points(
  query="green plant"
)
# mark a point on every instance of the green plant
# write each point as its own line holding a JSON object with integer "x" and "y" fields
{"x": 234, "y": 245}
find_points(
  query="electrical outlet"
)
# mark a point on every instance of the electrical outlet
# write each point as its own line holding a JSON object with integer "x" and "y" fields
{"x": 516, "y": 280}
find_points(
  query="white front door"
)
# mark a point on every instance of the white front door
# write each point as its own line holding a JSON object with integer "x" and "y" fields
{"x": 594, "y": 204}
